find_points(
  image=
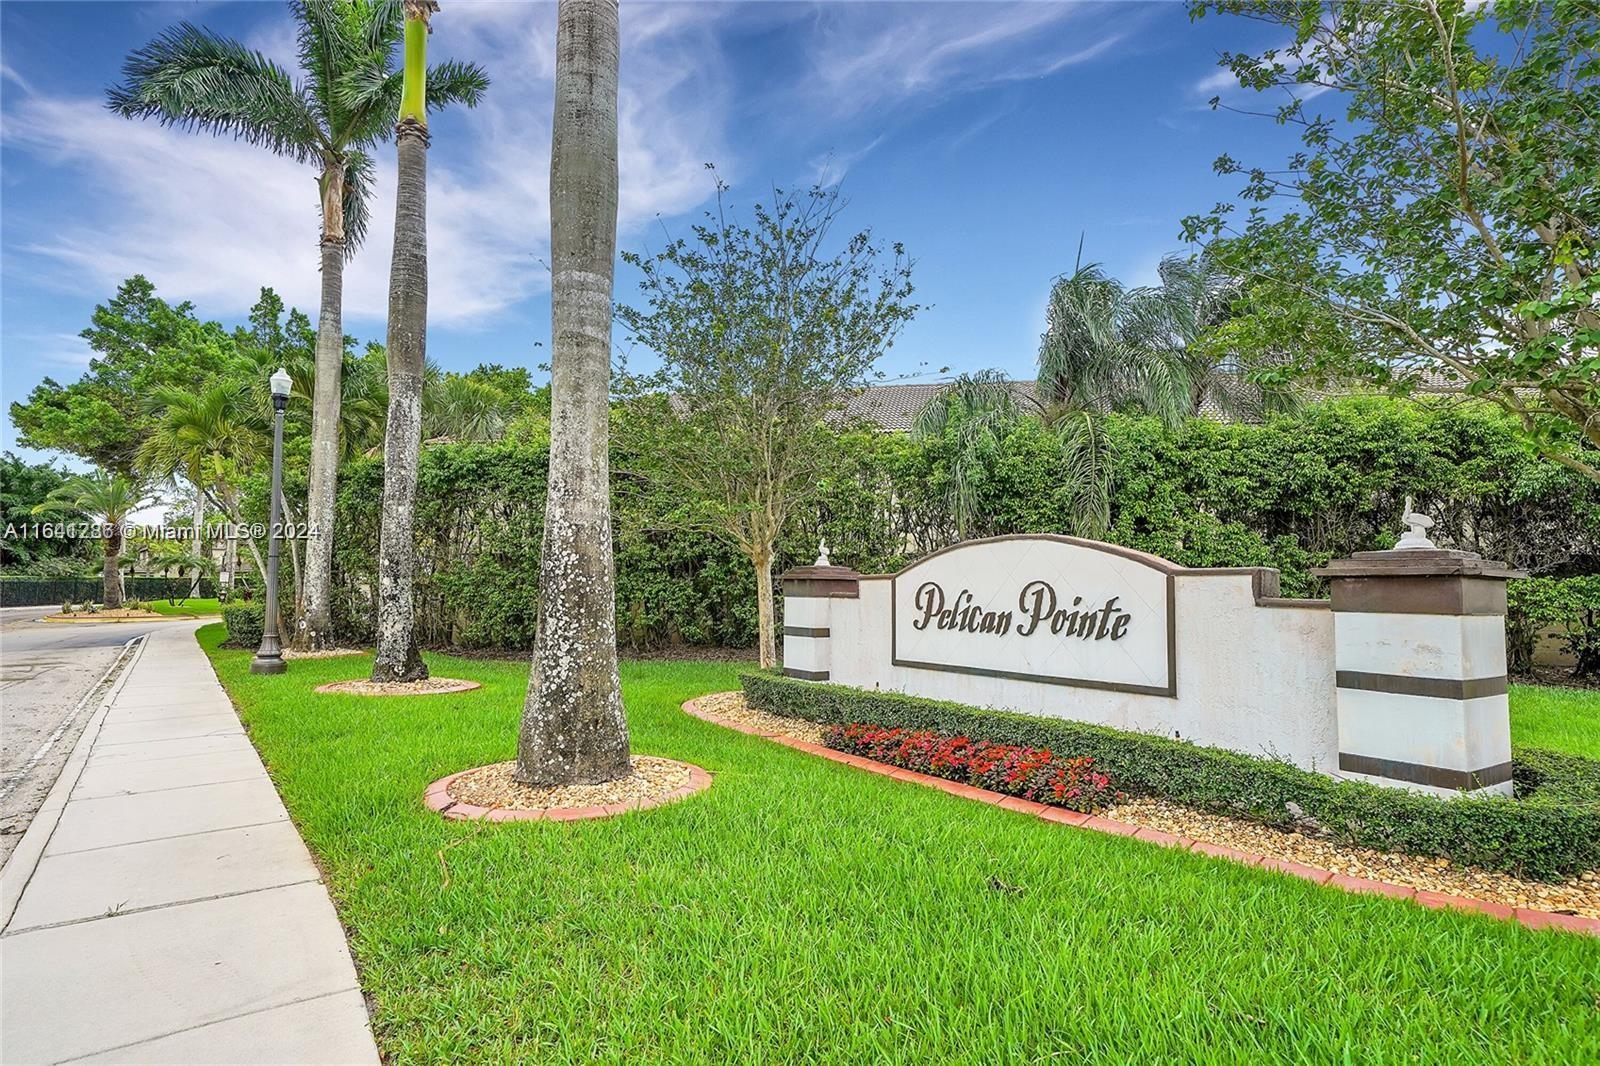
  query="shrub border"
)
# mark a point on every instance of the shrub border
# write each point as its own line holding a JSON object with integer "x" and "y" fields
{"x": 1533, "y": 919}
{"x": 1552, "y": 833}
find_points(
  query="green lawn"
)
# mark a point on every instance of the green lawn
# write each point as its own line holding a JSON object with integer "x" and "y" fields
{"x": 197, "y": 606}
{"x": 1563, "y": 719}
{"x": 804, "y": 911}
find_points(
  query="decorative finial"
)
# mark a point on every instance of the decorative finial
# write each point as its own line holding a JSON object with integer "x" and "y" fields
{"x": 822, "y": 553}
{"x": 1417, "y": 526}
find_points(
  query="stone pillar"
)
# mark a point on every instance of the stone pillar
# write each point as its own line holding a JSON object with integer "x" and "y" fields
{"x": 807, "y": 637}
{"x": 1420, "y": 654}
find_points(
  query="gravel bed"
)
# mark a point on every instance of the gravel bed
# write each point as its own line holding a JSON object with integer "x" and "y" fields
{"x": 430, "y": 686}
{"x": 492, "y": 786}
{"x": 323, "y": 653}
{"x": 731, "y": 705}
{"x": 1576, "y": 895}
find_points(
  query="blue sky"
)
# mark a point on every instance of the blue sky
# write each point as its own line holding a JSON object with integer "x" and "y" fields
{"x": 987, "y": 137}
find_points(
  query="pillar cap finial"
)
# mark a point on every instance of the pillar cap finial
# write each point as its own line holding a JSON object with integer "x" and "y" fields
{"x": 1416, "y": 535}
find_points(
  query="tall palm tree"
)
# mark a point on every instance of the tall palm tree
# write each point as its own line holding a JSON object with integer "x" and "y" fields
{"x": 398, "y": 658}
{"x": 330, "y": 118}
{"x": 573, "y": 729}
{"x": 108, "y": 500}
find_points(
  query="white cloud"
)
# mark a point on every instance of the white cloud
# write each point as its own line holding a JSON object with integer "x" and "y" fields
{"x": 867, "y": 56}
{"x": 211, "y": 220}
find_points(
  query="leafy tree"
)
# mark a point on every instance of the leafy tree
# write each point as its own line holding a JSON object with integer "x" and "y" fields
{"x": 141, "y": 344}
{"x": 573, "y": 728}
{"x": 1449, "y": 225}
{"x": 398, "y": 658}
{"x": 331, "y": 119}
{"x": 108, "y": 499}
{"x": 23, "y": 486}
{"x": 763, "y": 331}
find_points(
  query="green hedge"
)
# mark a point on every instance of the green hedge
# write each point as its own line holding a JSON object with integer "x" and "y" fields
{"x": 1551, "y": 830}
{"x": 246, "y": 621}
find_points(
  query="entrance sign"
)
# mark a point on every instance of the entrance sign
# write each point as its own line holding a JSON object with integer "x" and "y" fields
{"x": 1038, "y": 608}
{"x": 1400, "y": 679}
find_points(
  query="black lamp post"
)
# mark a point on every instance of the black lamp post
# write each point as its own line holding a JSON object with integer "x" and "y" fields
{"x": 269, "y": 657}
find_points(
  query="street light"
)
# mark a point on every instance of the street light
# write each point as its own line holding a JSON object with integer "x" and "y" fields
{"x": 269, "y": 657}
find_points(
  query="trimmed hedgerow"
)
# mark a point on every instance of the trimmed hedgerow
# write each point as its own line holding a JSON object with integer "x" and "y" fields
{"x": 246, "y": 621}
{"x": 1037, "y": 774}
{"x": 1551, "y": 830}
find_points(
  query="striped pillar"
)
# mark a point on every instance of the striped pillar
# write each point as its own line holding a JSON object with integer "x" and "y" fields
{"x": 1420, "y": 654}
{"x": 807, "y": 638}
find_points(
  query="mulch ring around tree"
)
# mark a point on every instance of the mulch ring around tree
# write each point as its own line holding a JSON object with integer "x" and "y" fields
{"x": 490, "y": 793}
{"x": 120, "y": 615}
{"x": 322, "y": 653}
{"x": 428, "y": 686}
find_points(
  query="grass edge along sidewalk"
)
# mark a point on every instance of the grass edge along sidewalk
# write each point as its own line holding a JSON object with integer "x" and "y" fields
{"x": 799, "y": 910}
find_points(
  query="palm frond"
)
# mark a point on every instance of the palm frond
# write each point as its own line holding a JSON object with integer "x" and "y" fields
{"x": 191, "y": 78}
{"x": 359, "y": 180}
{"x": 455, "y": 82}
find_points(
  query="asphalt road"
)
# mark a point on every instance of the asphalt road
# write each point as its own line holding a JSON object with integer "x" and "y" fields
{"x": 46, "y": 669}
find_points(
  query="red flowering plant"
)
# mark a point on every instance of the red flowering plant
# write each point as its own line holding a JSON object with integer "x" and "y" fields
{"x": 1033, "y": 773}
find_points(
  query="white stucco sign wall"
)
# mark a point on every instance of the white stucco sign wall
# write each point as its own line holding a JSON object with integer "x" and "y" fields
{"x": 1036, "y": 609}
{"x": 1099, "y": 633}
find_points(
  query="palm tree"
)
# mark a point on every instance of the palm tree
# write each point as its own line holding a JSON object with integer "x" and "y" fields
{"x": 573, "y": 729}
{"x": 342, "y": 106}
{"x": 1168, "y": 324}
{"x": 463, "y": 409}
{"x": 397, "y": 656}
{"x": 211, "y": 437}
{"x": 107, "y": 499}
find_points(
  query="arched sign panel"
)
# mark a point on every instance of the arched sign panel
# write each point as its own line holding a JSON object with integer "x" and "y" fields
{"x": 1038, "y": 608}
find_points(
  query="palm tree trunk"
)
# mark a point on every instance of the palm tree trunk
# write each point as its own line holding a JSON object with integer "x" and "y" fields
{"x": 199, "y": 538}
{"x": 111, "y": 569}
{"x": 573, "y": 728}
{"x": 316, "y": 623}
{"x": 398, "y": 658}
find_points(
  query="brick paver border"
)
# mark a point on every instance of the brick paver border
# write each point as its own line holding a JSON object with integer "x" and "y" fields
{"x": 438, "y": 798}
{"x": 1534, "y": 919}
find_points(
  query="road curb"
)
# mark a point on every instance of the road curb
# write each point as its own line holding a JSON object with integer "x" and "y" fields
{"x": 18, "y": 870}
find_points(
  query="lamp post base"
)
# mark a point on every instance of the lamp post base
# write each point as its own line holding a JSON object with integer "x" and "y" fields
{"x": 262, "y": 664}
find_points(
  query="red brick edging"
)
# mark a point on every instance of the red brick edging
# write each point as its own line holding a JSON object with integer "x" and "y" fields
{"x": 1534, "y": 919}
{"x": 438, "y": 798}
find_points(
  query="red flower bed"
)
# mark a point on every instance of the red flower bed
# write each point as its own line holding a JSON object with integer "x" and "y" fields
{"x": 1033, "y": 773}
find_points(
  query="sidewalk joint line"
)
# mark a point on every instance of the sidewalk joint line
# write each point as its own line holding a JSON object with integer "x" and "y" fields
{"x": 66, "y": 922}
{"x": 174, "y": 836}
{"x": 151, "y": 791}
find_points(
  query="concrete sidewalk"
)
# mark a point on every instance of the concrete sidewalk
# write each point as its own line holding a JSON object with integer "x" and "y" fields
{"x": 162, "y": 908}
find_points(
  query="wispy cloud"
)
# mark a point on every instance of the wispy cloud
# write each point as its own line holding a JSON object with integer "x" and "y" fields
{"x": 211, "y": 219}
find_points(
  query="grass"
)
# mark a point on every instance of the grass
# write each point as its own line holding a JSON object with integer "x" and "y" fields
{"x": 194, "y": 606}
{"x": 804, "y": 911}
{"x": 1562, "y": 719}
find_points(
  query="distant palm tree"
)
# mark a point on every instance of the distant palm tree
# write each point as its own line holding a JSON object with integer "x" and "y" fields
{"x": 211, "y": 436}
{"x": 573, "y": 727}
{"x": 397, "y": 657}
{"x": 463, "y": 409}
{"x": 1166, "y": 324}
{"x": 108, "y": 500}
{"x": 344, "y": 104}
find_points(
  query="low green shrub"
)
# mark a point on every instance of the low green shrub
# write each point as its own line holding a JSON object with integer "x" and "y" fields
{"x": 1551, "y": 830}
{"x": 246, "y": 621}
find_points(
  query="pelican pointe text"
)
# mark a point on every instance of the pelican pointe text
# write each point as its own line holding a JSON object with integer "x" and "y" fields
{"x": 1038, "y": 608}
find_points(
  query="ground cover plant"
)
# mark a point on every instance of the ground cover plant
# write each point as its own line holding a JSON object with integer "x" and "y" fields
{"x": 1550, "y": 831}
{"x": 1036, "y": 774}
{"x": 801, "y": 910}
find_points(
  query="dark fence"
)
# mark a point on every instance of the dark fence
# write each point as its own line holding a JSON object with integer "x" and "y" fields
{"x": 54, "y": 591}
